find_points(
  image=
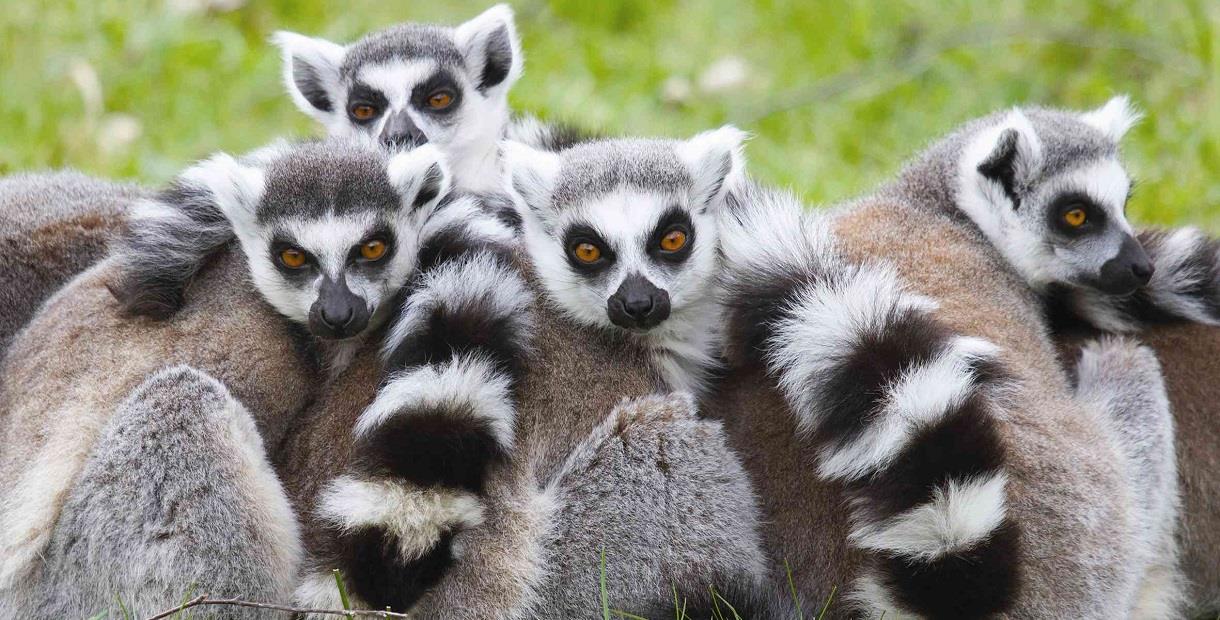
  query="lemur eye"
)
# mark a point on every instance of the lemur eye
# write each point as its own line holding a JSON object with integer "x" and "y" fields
{"x": 1075, "y": 217}
{"x": 292, "y": 258}
{"x": 363, "y": 112}
{"x": 673, "y": 240}
{"x": 373, "y": 250}
{"x": 440, "y": 100}
{"x": 587, "y": 252}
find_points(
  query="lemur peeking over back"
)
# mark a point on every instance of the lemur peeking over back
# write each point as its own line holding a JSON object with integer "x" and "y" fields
{"x": 336, "y": 234}
{"x": 1048, "y": 189}
{"x": 623, "y": 234}
{"x": 413, "y": 84}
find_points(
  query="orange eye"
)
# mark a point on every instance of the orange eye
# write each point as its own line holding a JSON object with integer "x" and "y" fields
{"x": 363, "y": 112}
{"x": 587, "y": 252}
{"x": 673, "y": 241}
{"x": 440, "y": 100}
{"x": 292, "y": 258}
{"x": 1075, "y": 218}
{"x": 373, "y": 250}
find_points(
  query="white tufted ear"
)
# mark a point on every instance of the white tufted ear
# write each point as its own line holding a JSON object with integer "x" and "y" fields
{"x": 236, "y": 188}
{"x": 1008, "y": 155}
{"x": 1114, "y": 118}
{"x": 311, "y": 72}
{"x": 715, "y": 162}
{"x": 420, "y": 175}
{"x": 491, "y": 48}
{"x": 530, "y": 175}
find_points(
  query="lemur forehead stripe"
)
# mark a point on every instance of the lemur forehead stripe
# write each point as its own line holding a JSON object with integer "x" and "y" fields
{"x": 597, "y": 168}
{"x": 312, "y": 180}
{"x": 403, "y": 41}
{"x": 1066, "y": 140}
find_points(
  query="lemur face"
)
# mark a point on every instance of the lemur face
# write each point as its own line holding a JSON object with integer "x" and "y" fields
{"x": 412, "y": 84}
{"x": 1050, "y": 191}
{"x": 623, "y": 232}
{"x": 329, "y": 230}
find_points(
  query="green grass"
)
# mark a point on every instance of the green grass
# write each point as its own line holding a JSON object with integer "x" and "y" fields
{"x": 838, "y": 94}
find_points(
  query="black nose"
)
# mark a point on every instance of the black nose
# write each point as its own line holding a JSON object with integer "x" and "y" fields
{"x": 1128, "y": 271}
{"x": 638, "y": 304}
{"x": 338, "y": 312}
{"x": 337, "y": 316}
{"x": 1143, "y": 271}
{"x": 401, "y": 132}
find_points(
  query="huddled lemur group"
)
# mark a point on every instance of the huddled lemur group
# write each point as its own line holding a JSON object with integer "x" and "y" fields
{"x": 488, "y": 367}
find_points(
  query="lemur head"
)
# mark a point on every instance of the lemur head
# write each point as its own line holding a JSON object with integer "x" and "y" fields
{"x": 623, "y": 232}
{"x": 412, "y": 84}
{"x": 329, "y": 229}
{"x": 1048, "y": 188}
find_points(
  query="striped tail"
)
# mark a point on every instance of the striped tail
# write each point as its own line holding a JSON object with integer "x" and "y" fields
{"x": 899, "y": 409}
{"x": 1185, "y": 287}
{"x": 442, "y": 418}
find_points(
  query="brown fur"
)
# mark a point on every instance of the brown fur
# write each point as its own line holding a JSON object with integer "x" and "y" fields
{"x": 806, "y": 529}
{"x": 52, "y": 227}
{"x": 65, "y": 375}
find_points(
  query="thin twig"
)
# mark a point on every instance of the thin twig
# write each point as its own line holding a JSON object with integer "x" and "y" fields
{"x": 204, "y": 600}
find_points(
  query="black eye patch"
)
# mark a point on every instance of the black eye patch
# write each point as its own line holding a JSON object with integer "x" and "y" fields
{"x": 1063, "y": 215}
{"x": 364, "y": 95}
{"x": 580, "y": 234}
{"x": 675, "y": 219}
{"x": 440, "y": 82}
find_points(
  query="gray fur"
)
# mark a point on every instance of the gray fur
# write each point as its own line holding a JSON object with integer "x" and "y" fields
{"x": 177, "y": 499}
{"x": 403, "y": 42}
{"x": 598, "y": 168}
{"x": 337, "y": 177}
{"x": 651, "y": 544}
{"x": 1124, "y": 379}
{"x": 53, "y": 225}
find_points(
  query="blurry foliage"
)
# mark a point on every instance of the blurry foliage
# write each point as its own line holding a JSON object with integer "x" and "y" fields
{"x": 837, "y": 94}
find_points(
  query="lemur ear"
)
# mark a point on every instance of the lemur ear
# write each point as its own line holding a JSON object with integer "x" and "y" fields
{"x": 235, "y": 187}
{"x": 715, "y": 162}
{"x": 420, "y": 175}
{"x": 311, "y": 72}
{"x": 529, "y": 175}
{"x": 491, "y": 48}
{"x": 1114, "y": 118}
{"x": 1009, "y": 154}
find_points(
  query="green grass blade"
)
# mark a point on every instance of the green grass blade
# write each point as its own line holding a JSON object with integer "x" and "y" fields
{"x": 347, "y": 603}
{"x": 826, "y": 606}
{"x": 800, "y": 613}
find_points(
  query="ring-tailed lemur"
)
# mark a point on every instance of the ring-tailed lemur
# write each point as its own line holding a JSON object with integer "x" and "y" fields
{"x": 627, "y": 236}
{"x": 943, "y": 444}
{"x": 919, "y": 223}
{"x": 1048, "y": 189}
{"x": 419, "y": 83}
{"x": 331, "y": 232}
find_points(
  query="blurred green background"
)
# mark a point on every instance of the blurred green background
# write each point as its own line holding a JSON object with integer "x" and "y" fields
{"x": 838, "y": 94}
